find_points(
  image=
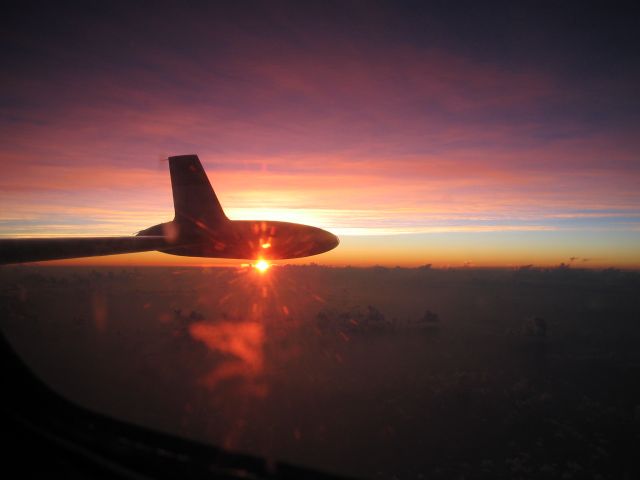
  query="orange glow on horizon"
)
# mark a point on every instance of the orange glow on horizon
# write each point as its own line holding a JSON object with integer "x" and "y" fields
{"x": 439, "y": 250}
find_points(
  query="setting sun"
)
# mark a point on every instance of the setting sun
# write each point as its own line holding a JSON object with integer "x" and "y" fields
{"x": 262, "y": 266}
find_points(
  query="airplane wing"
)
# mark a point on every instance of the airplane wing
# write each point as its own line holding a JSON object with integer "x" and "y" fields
{"x": 200, "y": 228}
{"x": 17, "y": 250}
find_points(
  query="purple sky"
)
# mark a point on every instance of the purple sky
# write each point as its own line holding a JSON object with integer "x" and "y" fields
{"x": 490, "y": 134}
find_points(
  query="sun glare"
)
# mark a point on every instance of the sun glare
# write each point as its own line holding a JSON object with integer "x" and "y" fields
{"x": 262, "y": 266}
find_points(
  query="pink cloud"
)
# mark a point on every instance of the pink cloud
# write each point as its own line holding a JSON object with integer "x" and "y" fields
{"x": 424, "y": 140}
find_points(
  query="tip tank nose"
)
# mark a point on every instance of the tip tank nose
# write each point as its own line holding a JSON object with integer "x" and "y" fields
{"x": 330, "y": 241}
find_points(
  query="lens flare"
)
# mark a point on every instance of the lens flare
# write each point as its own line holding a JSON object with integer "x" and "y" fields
{"x": 262, "y": 266}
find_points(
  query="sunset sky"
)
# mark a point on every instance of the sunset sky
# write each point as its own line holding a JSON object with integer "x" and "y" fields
{"x": 489, "y": 134}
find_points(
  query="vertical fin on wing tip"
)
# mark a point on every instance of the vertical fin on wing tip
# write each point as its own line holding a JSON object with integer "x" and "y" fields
{"x": 193, "y": 197}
